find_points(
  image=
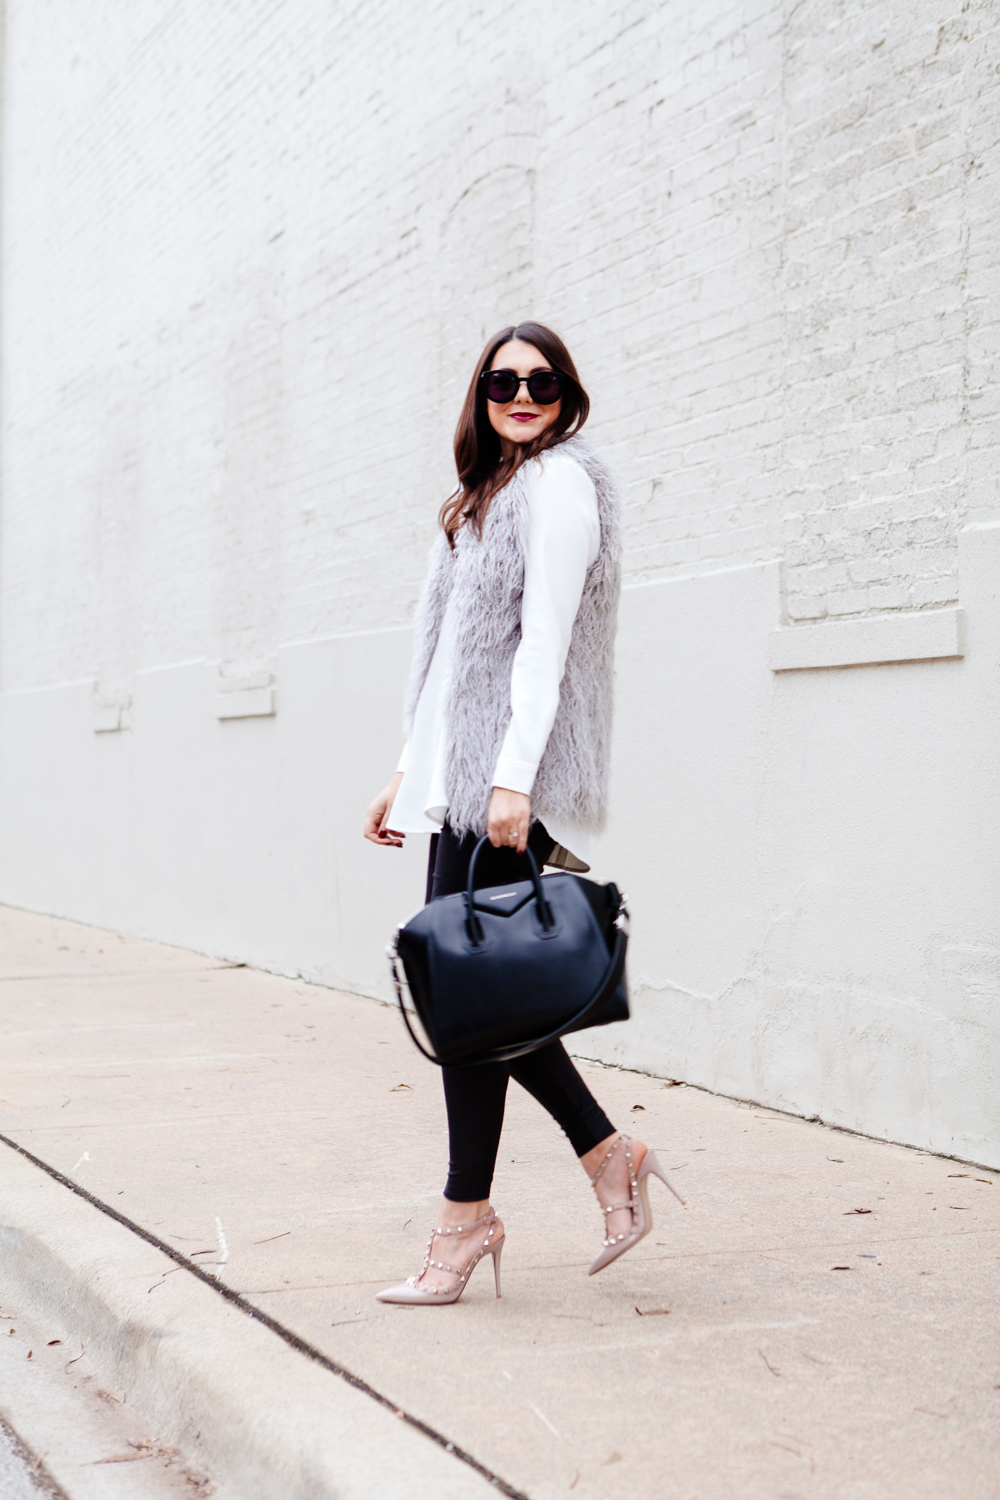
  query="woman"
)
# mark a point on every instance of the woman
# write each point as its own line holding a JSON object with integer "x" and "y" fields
{"x": 509, "y": 718}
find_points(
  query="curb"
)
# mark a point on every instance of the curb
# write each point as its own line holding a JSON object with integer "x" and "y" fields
{"x": 259, "y": 1417}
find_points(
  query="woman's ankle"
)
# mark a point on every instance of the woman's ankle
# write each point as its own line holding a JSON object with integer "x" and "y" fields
{"x": 592, "y": 1159}
{"x": 602, "y": 1153}
{"x": 451, "y": 1214}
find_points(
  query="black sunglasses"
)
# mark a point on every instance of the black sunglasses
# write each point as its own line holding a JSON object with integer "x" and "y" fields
{"x": 544, "y": 386}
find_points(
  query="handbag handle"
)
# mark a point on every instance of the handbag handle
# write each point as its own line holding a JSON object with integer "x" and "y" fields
{"x": 610, "y": 980}
{"x": 473, "y": 926}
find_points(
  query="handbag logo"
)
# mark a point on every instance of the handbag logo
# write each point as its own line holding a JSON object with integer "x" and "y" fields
{"x": 502, "y": 895}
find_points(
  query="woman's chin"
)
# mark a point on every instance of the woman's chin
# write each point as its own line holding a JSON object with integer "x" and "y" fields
{"x": 523, "y": 432}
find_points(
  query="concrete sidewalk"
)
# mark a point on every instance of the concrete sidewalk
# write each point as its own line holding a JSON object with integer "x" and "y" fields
{"x": 821, "y": 1323}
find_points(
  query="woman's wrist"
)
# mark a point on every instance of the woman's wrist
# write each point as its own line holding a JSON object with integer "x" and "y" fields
{"x": 513, "y": 775}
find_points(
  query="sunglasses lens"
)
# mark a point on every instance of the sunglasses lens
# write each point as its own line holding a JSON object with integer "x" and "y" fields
{"x": 501, "y": 385}
{"x": 545, "y": 387}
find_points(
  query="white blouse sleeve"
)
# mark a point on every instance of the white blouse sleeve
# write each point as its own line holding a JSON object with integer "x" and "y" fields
{"x": 563, "y": 540}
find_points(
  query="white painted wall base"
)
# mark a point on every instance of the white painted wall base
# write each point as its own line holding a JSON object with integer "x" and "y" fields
{"x": 813, "y": 857}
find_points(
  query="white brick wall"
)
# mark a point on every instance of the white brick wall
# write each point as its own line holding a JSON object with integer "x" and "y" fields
{"x": 886, "y": 148}
{"x": 250, "y": 250}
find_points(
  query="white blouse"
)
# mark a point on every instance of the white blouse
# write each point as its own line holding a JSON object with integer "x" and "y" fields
{"x": 563, "y": 540}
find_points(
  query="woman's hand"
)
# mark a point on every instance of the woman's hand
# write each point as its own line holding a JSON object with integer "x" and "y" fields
{"x": 509, "y": 819}
{"x": 377, "y": 817}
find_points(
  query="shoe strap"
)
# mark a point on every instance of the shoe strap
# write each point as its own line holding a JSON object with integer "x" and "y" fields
{"x": 484, "y": 1219}
{"x": 607, "y": 1157}
{"x": 625, "y": 1141}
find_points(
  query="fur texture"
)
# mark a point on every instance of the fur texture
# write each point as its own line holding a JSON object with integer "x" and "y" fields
{"x": 487, "y": 574}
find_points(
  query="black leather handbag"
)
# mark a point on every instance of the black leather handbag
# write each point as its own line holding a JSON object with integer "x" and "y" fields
{"x": 496, "y": 973}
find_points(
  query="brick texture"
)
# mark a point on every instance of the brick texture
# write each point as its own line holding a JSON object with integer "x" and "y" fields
{"x": 250, "y": 250}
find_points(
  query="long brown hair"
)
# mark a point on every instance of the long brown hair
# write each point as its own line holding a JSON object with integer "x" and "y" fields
{"x": 482, "y": 467}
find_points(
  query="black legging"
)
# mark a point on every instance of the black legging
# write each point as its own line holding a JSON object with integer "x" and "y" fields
{"x": 475, "y": 1096}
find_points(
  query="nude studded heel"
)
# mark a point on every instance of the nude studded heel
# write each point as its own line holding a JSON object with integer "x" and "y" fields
{"x": 638, "y": 1204}
{"x": 412, "y": 1294}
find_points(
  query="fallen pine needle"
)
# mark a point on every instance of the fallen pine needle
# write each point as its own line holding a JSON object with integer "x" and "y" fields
{"x": 121, "y": 1458}
{"x": 142, "y": 1449}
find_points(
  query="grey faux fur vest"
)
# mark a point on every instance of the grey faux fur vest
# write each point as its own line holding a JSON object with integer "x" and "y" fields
{"x": 487, "y": 574}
